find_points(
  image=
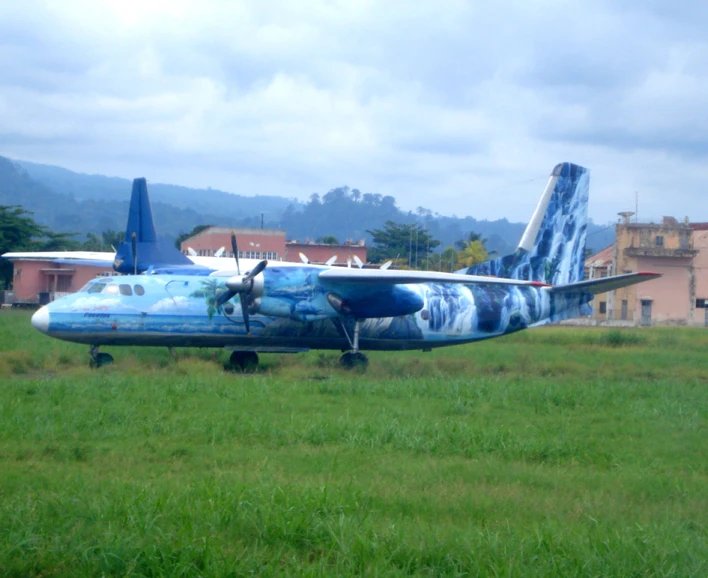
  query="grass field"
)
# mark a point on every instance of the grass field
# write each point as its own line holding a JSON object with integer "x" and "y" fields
{"x": 554, "y": 452}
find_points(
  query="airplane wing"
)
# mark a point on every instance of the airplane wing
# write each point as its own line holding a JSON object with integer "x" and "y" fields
{"x": 389, "y": 277}
{"x": 604, "y": 284}
{"x": 91, "y": 258}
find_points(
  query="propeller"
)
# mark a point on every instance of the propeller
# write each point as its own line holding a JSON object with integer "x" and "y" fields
{"x": 240, "y": 285}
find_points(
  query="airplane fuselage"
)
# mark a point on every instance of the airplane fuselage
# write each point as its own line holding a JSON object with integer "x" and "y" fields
{"x": 291, "y": 310}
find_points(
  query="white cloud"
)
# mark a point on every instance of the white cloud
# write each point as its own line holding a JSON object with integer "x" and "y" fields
{"x": 459, "y": 106}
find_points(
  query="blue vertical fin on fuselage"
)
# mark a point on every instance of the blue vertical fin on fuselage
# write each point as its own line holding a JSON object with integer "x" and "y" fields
{"x": 151, "y": 252}
{"x": 552, "y": 249}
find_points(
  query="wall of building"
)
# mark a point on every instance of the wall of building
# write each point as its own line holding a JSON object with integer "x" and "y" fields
{"x": 32, "y": 277}
{"x": 252, "y": 243}
{"x": 317, "y": 253}
{"x": 673, "y": 249}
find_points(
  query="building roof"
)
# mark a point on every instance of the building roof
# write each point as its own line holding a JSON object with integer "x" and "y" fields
{"x": 601, "y": 259}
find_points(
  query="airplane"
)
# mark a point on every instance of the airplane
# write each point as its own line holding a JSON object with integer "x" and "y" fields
{"x": 162, "y": 298}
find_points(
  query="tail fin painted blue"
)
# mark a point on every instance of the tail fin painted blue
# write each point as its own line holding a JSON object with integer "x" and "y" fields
{"x": 552, "y": 248}
{"x": 151, "y": 253}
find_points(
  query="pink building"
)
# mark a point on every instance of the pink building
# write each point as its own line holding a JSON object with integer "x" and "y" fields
{"x": 252, "y": 243}
{"x": 677, "y": 250}
{"x": 268, "y": 244}
{"x": 40, "y": 279}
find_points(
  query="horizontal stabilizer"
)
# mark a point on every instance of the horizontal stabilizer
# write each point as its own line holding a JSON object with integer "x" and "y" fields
{"x": 387, "y": 276}
{"x": 604, "y": 284}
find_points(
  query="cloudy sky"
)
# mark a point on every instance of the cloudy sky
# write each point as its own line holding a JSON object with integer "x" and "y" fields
{"x": 463, "y": 107}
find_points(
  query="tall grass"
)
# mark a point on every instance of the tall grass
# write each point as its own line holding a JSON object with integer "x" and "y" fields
{"x": 557, "y": 451}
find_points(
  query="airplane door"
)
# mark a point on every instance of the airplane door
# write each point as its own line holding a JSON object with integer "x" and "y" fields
{"x": 646, "y": 312}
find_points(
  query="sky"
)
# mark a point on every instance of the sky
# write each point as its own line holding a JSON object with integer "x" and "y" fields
{"x": 461, "y": 107}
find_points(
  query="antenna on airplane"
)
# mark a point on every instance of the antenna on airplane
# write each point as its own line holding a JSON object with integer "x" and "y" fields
{"x": 304, "y": 258}
{"x": 134, "y": 246}
{"x": 386, "y": 265}
{"x": 331, "y": 261}
{"x": 191, "y": 251}
{"x": 220, "y": 252}
{"x": 358, "y": 262}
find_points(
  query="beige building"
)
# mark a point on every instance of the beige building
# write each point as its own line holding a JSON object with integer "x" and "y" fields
{"x": 679, "y": 251}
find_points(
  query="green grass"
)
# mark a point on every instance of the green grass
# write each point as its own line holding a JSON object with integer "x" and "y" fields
{"x": 554, "y": 452}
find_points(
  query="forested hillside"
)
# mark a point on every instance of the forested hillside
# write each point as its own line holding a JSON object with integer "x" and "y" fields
{"x": 66, "y": 201}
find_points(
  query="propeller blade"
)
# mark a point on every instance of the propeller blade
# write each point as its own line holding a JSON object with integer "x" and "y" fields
{"x": 244, "y": 310}
{"x": 234, "y": 248}
{"x": 255, "y": 271}
{"x": 358, "y": 262}
{"x": 224, "y": 297}
{"x": 134, "y": 247}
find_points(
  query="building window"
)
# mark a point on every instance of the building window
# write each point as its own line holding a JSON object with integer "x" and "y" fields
{"x": 603, "y": 307}
{"x": 659, "y": 241}
{"x": 603, "y": 273}
{"x": 625, "y": 309}
{"x": 701, "y": 303}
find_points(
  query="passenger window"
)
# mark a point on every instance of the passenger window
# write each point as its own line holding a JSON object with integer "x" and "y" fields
{"x": 139, "y": 290}
{"x": 126, "y": 290}
{"x": 112, "y": 289}
{"x": 96, "y": 287}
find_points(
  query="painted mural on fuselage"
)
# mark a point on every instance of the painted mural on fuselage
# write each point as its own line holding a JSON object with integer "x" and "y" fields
{"x": 181, "y": 311}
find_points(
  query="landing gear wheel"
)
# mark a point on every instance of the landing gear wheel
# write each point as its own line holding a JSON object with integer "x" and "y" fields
{"x": 351, "y": 360}
{"x": 101, "y": 359}
{"x": 245, "y": 361}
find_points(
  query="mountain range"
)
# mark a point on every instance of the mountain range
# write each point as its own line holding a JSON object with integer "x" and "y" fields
{"x": 66, "y": 201}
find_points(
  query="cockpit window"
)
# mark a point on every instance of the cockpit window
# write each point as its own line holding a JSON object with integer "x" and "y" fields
{"x": 139, "y": 290}
{"x": 126, "y": 290}
{"x": 96, "y": 287}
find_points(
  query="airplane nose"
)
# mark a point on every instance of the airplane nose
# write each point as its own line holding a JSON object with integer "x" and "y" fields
{"x": 40, "y": 320}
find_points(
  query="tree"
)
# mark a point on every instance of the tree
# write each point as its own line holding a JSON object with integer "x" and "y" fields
{"x": 410, "y": 242}
{"x": 327, "y": 240}
{"x": 473, "y": 253}
{"x": 461, "y": 245}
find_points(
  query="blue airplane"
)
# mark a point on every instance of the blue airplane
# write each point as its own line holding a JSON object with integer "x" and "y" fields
{"x": 162, "y": 298}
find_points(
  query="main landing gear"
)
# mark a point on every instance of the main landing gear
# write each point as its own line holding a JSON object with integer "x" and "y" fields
{"x": 99, "y": 359}
{"x": 354, "y": 358}
{"x": 245, "y": 361}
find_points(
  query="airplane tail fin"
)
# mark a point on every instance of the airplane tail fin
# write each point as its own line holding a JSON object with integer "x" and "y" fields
{"x": 150, "y": 251}
{"x": 552, "y": 248}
